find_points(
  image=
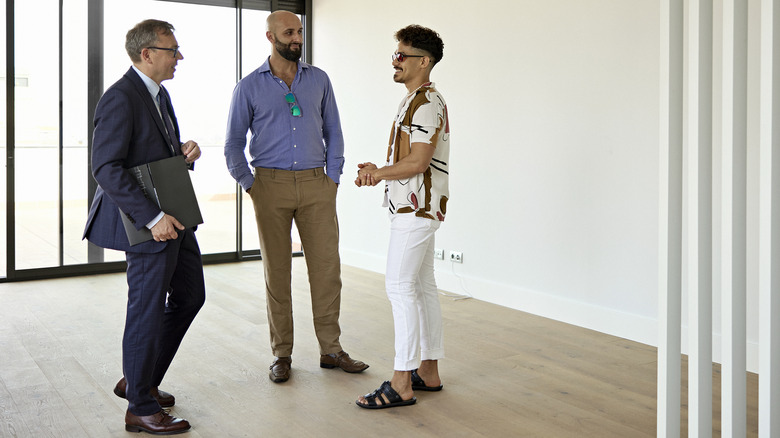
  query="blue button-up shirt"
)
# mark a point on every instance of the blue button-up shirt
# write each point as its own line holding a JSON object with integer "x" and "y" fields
{"x": 280, "y": 140}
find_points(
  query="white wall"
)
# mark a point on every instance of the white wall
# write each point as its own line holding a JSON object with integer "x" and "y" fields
{"x": 554, "y": 153}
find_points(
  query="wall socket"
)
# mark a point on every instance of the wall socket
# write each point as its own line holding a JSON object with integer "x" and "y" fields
{"x": 456, "y": 256}
{"x": 438, "y": 253}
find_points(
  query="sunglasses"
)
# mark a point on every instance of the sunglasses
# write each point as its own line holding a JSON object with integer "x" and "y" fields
{"x": 295, "y": 110}
{"x": 400, "y": 57}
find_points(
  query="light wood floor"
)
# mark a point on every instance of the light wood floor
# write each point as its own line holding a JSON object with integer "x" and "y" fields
{"x": 508, "y": 373}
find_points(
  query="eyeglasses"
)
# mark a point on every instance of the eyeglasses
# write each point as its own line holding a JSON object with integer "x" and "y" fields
{"x": 295, "y": 110}
{"x": 400, "y": 57}
{"x": 175, "y": 50}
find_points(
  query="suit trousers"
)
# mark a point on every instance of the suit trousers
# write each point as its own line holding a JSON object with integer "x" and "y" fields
{"x": 411, "y": 289}
{"x": 166, "y": 291}
{"x": 309, "y": 198}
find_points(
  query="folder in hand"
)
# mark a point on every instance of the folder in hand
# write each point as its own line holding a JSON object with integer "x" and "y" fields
{"x": 167, "y": 183}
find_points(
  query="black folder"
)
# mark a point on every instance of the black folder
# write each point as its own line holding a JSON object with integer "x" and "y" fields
{"x": 167, "y": 183}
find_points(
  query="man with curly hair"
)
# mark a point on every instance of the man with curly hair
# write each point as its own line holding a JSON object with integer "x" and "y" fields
{"x": 416, "y": 177}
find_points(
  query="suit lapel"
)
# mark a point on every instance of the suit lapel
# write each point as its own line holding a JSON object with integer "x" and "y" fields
{"x": 146, "y": 98}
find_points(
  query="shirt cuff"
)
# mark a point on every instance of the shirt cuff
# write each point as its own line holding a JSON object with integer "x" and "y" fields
{"x": 334, "y": 175}
{"x": 247, "y": 181}
{"x": 154, "y": 221}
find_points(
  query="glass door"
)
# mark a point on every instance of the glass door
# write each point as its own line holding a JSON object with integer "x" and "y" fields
{"x": 200, "y": 93}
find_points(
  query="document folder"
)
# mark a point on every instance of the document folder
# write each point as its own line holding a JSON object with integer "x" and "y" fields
{"x": 167, "y": 183}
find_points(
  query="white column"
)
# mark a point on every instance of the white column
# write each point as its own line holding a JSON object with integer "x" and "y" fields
{"x": 769, "y": 224}
{"x": 697, "y": 212}
{"x": 729, "y": 201}
{"x": 670, "y": 219}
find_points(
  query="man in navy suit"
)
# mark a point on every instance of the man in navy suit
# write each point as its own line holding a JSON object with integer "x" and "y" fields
{"x": 135, "y": 124}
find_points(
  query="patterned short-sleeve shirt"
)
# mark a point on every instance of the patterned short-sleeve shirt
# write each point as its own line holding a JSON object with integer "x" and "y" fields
{"x": 422, "y": 118}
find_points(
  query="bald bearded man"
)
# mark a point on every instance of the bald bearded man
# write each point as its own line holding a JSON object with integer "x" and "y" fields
{"x": 297, "y": 156}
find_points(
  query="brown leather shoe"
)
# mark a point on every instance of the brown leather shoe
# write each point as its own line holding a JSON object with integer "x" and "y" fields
{"x": 157, "y": 424}
{"x": 165, "y": 399}
{"x": 280, "y": 369}
{"x": 343, "y": 361}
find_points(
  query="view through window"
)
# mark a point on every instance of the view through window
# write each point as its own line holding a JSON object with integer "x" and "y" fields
{"x": 200, "y": 92}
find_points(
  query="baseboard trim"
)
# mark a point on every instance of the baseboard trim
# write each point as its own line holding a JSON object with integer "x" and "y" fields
{"x": 625, "y": 325}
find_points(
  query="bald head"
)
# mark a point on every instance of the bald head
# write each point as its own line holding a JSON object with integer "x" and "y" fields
{"x": 281, "y": 20}
{"x": 285, "y": 33}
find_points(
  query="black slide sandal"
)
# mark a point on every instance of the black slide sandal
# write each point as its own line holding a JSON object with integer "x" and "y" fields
{"x": 419, "y": 385}
{"x": 375, "y": 400}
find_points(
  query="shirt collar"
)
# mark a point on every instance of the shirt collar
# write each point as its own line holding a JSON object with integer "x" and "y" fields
{"x": 266, "y": 67}
{"x": 151, "y": 85}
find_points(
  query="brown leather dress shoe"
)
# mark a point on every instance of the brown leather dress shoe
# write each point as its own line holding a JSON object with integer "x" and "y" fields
{"x": 157, "y": 424}
{"x": 343, "y": 361}
{"x": 280, "y": 369}
{"x": 165, "y": 399}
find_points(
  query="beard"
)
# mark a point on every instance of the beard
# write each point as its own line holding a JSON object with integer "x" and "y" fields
{"x": 286, "y": 52}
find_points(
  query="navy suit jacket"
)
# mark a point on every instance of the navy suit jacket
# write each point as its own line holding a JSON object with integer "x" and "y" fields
{"x": 128, "y": 132}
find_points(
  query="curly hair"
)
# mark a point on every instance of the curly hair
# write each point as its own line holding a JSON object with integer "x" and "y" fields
{"x": 422, "y": 38}
{"x": 143, "y": 35}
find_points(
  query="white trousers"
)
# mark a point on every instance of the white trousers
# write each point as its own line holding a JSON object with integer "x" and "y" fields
{"x": 411, "y": 289}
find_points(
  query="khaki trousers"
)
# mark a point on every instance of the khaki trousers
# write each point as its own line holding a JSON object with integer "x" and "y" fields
{"x": 308, "y": 197}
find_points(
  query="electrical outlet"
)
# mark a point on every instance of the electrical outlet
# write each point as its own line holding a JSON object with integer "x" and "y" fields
{"x": 456, "y": 256}
{"x": 438, "y": 253}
